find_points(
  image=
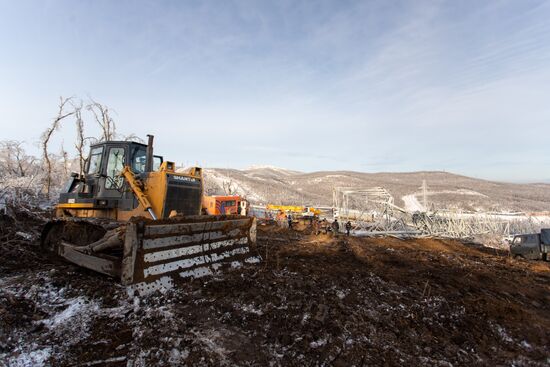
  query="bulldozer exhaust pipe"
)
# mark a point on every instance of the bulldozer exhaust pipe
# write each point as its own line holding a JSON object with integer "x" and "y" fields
{"x": 149, "y": 152}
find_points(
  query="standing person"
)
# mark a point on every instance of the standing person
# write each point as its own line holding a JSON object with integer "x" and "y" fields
{"x": 315, "y": 226}
{"x": 335, "y": 226}
{"x": 281, "y": 217}
{"x": 326, "y": 227}
{"x": 348, "y": 227}
{"x": 289, "y": 218}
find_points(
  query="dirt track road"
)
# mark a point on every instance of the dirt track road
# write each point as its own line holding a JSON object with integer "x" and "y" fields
{"x": 314, "y": 300}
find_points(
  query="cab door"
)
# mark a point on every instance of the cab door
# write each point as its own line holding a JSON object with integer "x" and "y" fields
{"x": 527, "y": 246}
{"x": 532, "y": 245}
{"x": 111, "y": 183}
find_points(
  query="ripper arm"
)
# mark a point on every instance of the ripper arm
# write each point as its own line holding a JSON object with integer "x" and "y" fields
{"x": 138, "y": 192}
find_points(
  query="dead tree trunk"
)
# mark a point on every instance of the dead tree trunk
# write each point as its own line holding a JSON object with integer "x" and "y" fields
{"x": 46, "y": 136}
{"x": 65, "y": 157}
{"x": 80, "y": 141}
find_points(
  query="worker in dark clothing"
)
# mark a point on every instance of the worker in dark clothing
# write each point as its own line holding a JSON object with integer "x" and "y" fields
{"x": 289, "y": 218}
{"x": 348, "y": 227}
{"x": 335, "y": 226}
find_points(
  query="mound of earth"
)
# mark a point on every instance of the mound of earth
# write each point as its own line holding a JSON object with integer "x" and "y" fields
{"x": 313, "y": 300}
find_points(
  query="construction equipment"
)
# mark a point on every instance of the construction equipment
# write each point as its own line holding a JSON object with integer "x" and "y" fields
{"x": 535, "y": 246}
{"x": 224, "y": 204}
{"x": 303, "y": 211}
{"x": 131, "y": 216}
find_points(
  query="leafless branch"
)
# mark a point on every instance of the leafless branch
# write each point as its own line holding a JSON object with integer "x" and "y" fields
{"x": 46, "y": 136}
{"x": 80, "y": 140}
{"x": 13, "y": 158}
{"x": 103, "y": 118}
{"x": 65, "y": 157}
{"x": 133, "y": 137}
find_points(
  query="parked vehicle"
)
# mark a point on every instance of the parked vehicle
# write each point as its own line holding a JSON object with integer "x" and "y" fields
{"x": 224, "y": 204}
{"x": 534, "y": 246}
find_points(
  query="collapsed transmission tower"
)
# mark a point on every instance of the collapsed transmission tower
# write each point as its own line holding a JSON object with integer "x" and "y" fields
{"x": 371, "y": 209}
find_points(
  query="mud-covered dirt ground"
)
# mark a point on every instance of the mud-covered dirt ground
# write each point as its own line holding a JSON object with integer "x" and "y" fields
{"x": 314, "y": 300}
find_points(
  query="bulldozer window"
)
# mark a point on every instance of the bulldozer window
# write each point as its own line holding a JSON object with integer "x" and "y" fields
{"x": 95, "y": 160}
{"x": 138, "y": 160}
{"x": 157, "y": 161}
{"x": 115, "y": 164}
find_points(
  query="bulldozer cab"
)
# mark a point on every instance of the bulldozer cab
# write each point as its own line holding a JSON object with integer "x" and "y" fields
{"x": 107, "y": 160}
{"x": 101, "y": 188}
{"x": 103, "y": 191}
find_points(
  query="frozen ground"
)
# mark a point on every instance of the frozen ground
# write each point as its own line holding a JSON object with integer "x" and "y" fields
{"x": 314, "y": 300}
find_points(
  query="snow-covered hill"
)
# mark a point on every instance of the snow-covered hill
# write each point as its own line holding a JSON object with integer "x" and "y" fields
{"x": 266, "y": 184}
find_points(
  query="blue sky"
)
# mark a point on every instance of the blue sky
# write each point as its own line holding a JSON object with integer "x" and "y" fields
{"x": 461, "y": 86}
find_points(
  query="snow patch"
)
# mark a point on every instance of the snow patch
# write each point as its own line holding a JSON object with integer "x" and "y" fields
{"x": 253, "y": 260}
{"x": 283, "y": 171}
{"x": 76, "y": 307}
{"x": 26, "y": 236}
{"x": 318, "y": 343}
{"x": 34, "y": 358}
{"x": 412, "y": 204}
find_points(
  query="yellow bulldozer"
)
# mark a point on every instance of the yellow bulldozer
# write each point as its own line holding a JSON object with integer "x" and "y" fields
{"x": 130, "y": 215}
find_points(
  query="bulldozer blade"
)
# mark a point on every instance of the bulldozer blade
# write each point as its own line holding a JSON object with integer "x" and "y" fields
{"x": 159, "y": 253}
{"x": 108, "y": 265}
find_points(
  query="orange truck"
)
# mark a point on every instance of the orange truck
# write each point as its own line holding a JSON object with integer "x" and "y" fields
{"x": 224, "y": 204}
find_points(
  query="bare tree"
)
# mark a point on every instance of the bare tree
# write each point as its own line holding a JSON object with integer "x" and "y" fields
{"x": 20, "y": 171}
{"x": 13, "y": 159}
{"x": 65, "y": 157}
{"x": 80, "y": 140}
{"x": 18, "y": 174}
{"x": 103, "y": 118}
{"x": 210, "y": 187}
{"x": 46, "y": 136}
{"x": 133, "y": 137}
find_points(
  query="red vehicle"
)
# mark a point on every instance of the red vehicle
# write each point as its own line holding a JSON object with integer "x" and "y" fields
{"x": 228, "y": 204}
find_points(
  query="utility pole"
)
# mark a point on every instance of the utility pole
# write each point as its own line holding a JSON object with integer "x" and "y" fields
{"x": 424, "y": 195}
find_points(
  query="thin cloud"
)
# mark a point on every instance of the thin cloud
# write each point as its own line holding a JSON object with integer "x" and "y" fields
{"x": 359, "y": 85}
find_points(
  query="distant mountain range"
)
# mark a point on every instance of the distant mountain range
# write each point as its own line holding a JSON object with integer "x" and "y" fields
{"x": 265, "y": 184}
